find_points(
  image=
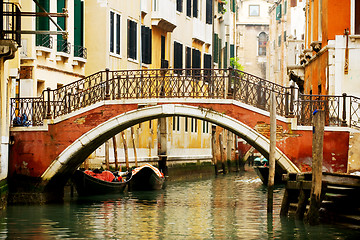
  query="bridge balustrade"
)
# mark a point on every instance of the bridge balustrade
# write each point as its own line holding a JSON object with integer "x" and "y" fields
{"x": 184, "y": 83}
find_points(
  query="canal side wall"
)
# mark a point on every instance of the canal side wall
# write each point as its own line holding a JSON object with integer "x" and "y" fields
{"x": 34, "y": 149}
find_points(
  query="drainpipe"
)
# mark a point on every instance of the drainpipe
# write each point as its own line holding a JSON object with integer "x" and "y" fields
{"x": 213, "y": 31}
{"x": 140, "y": 48}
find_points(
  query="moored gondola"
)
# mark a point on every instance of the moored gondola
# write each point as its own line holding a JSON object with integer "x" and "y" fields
{"x": 87, "y": 185}
{"x": 145, "y": 178}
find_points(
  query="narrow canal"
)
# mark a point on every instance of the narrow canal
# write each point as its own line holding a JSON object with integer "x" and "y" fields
{"x": 229, "y": 206}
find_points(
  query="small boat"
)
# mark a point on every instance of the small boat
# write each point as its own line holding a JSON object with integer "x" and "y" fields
{"x": 87, "y": 185}
{"x": 146, "y": 177}
{"x": 263, "y": 173}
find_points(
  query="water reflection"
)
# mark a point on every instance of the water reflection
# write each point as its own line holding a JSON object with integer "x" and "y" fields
{"x": 225, "y": 207}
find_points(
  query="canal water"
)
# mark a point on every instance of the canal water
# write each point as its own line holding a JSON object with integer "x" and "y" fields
{"x": 229, "y": 206}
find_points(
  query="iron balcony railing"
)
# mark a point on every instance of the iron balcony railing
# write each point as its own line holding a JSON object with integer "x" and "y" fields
{"x": 63, "y": 46}
{"x": 184, "y": 83}
{"x": 10, "y": 25}
{"x": 44, "y": 40}
{"x": 80, "y": 51}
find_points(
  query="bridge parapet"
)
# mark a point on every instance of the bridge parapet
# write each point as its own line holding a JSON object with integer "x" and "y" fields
{"x": 183, "y": 83}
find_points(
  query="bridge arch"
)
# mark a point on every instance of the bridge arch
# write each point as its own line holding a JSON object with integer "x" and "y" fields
{"x": 77, "y": 152}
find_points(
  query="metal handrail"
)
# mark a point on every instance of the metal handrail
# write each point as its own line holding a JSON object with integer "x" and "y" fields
{"x": 186, "y": 83}
{"x": 10, "y": 22}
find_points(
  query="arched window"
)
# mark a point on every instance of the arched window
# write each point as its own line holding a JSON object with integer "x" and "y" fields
{"x": 262, "y": 40}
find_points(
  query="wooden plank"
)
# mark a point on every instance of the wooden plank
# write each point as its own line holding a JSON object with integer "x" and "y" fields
{"x": 341, "y": 179}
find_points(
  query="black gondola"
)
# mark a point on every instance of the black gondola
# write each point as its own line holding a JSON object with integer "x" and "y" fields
{"x": 146, "y": 177}
{"x": 87, "y": 185}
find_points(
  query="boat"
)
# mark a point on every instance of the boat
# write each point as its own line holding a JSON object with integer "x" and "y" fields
{"x": 263, "y": 173}
{"x": 261, "y": 168}
{"x": 146, "y": 177}
{"x": 88, "y": 185}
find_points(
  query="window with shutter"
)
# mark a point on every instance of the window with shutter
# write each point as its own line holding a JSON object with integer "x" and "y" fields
{"x": 216, "y": 48}
{"x": 115, "y": 33}
{"x": 178, "y": 56}
{"x": 188, "y": 59}
{"x": 195, "y": 8}
{"x": 220, "y": 60}
{"x": 42, "y": 23}
{"x": 188, "y": 8}
{"x": 196, "y": 58}
{"x": 112, "y": 24}
{"x": 209, "y": 16}
{"x": 278, "y": 12}
{"x": 132, "y": 39}
{"x": 61, "y": 22}
{"x": 146, "y": 44}
{"x": 225, "y": 55}
{"x": 207, "y": 65}
{"x": 232, "y": 51}
{"x": 196, "y": 62}
{"x": 179, "y": 5}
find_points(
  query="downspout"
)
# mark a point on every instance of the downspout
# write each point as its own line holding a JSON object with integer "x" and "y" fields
{"x": 140, "y": 46}
{"x": 213, "y": 31}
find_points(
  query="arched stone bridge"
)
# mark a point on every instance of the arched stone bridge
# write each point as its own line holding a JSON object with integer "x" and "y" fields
{"x": 66, "y": 125}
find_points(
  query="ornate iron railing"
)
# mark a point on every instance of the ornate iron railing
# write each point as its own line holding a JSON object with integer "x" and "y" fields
{"x": 10, "y": 22}
{"x": 44, "y": 40}
{"x": 63, "y": 46}
{"x": 184, "y": 83}
{"x": 80, "y": 51}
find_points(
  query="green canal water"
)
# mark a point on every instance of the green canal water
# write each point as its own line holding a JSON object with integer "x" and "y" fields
{"x": 229, "y": 206}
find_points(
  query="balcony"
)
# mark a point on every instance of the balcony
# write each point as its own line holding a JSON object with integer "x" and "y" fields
{"x": 10, "y": 27}
{"x": 63, "y": 50}
{"x": 202, "y": 31}
{"x": 80, "y": 51}
{"x": 164, "y": 14}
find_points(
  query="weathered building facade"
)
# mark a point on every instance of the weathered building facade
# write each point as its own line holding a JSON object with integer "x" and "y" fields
{"x": 252, "y": 29}
{"x": 286, "y": 41}
{"x": 9, "y": 79}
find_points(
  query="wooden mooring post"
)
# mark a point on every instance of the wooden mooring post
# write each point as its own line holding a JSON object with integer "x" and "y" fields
{"x": 126, "y": 151}
{"x": 272, "y": 154}
{"x": 222, "y": 153}
{"x": 115, "y": 153}
{"x": 213, "y": 147}
{"x": 312, "y": 217}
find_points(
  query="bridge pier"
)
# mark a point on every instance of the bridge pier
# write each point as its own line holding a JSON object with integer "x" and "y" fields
{"x": 29, "y": 190}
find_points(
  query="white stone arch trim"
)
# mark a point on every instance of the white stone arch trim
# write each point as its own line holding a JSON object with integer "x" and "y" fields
{"x": 125, "y": 120}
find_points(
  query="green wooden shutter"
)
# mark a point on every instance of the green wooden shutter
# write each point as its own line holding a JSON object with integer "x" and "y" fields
{"x": 216, "y": 48}
{"x": 78, "y": 23}
{"x": 220, "y": 60}
{"x": 278, "y": 12}
{"x": 61, "y": 23}
{"x": 225, "y": 55}
{"x": 232, "y": 51}
{"x": 42, "y": 23}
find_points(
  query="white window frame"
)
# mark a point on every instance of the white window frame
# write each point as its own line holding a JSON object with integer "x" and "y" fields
{"x": 254, "y": 5}
{"x": 114, "y": 39}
